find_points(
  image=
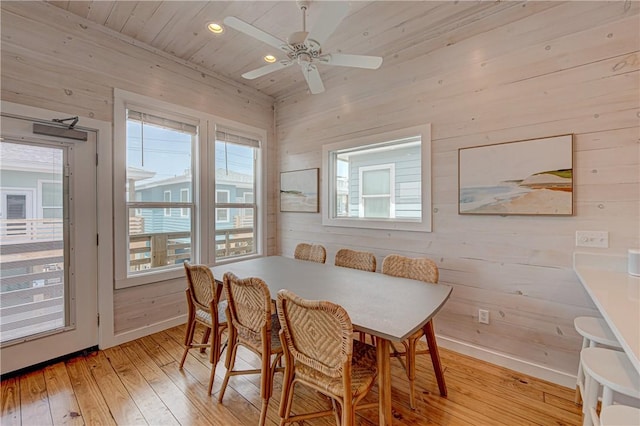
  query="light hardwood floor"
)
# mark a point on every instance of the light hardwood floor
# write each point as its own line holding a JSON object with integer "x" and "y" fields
{"x": 139, "y": 383}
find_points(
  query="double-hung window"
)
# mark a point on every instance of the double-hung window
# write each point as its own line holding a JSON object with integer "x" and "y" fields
{"x": 160, "y": 150}
{"x": 380, "y": 181}
{"x": 235, "y": 166}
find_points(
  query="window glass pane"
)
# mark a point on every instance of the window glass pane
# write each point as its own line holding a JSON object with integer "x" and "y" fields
{"x": 238, "y": 239}
{"x": 34, "y": 277}
{"x": 158, "y": 159}
{"x": 377, "y": 207}
{"x": 52, "y": 194}
{"x": 376, "y": 182}
{"x": 157, "y": 241}
{"x": 392, "y": 169}
{"x": 235, "y": 191}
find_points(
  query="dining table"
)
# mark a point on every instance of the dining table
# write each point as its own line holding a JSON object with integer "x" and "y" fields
{"x": 387, "y": 307}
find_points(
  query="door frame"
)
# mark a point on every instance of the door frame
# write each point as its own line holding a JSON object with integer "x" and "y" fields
{"x": 104, "y": 194}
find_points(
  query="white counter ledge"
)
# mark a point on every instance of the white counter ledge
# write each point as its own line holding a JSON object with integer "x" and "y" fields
{"x": 616, "y": 294}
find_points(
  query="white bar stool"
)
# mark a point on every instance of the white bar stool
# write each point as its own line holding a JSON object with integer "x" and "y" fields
{"x": 614, "y": 372}
{"x": 594, "y": 331}
{"x": 620, "y": 415}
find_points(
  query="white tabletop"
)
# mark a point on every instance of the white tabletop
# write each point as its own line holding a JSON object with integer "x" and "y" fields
{"x": 616, "y": 294}
{"x": 381, "y": 305}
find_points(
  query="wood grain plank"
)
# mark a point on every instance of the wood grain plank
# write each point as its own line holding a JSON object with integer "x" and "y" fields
{"x": 93, "y": 407}
{"x": 10, "y": 391}
{"x": 62, "y": 400}
{"x": 150, "y": 405}
{"x": 34, "y": 401}
{"x": 122, "y": 407}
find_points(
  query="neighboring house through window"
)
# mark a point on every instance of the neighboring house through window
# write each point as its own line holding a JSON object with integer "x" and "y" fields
{"x": 380, "y": 181}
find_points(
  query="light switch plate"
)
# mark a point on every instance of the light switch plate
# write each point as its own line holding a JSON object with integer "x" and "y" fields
{"x": 599, "y": 239}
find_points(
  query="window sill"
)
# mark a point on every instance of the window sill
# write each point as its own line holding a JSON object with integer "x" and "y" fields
{"x": 150, "y": 278}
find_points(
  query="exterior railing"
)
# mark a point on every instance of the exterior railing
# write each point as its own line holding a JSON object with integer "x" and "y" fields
{"x": 161, "y": 249}
{"x": 31, "y": 288}
{"x": 16, "y": 231}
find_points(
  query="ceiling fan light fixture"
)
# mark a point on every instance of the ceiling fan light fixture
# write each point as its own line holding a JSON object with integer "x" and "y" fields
{"x": 270, "y": 59}
{"x": 215, "y": 28}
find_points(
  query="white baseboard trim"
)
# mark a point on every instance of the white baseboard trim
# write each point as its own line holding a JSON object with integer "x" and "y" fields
{"x": 507, "y": 361}
{"x": 137, "y": 333}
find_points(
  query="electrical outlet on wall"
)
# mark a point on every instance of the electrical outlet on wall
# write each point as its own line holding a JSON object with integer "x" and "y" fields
{"x": 483, "y": 316}
{"x": 598, "y": 239}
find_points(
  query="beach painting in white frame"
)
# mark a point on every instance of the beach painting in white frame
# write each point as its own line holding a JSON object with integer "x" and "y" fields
{"x": 299, "y": 191}
{"x": 528, "y": 177}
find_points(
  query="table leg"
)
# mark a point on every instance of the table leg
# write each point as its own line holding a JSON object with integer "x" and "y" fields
{"x": 384, "y": 381}
{"x": 435, "y": 357}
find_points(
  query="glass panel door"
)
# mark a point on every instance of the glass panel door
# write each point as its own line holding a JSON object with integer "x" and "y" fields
{"x": 48, "y": 244}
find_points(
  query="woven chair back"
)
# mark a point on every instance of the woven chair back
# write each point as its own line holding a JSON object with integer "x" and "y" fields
{"x": 421, "y": 268}
{"x": 315, "y": 333}
{"x": 249, "y": 306}
{"x": 202, "y": 285}
{"x": 311, "y": 252}
{"x": 355, "y": 259}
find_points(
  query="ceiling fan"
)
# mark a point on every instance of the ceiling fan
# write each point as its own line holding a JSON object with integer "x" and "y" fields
{"x": 305, "y": 48}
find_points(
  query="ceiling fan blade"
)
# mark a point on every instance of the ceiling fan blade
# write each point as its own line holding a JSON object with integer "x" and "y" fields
{"x": 333, "y": 13}
{"x": 312, "y": 76}
{"x": 255, "y": 32}
{"x": 259, "y": 72}
{"x": 357, "y": 61}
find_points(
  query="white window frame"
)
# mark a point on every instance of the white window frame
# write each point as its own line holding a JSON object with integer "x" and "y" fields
{"x": 328, "y": 170}
{"x": 167, "y": 212}
{"x": 219, "y": 210}
{"x": 392, "y": 188}
{"x": 203, "y": 232}
{"x": 41, "y": 206}
{"x": 184, "y": 212}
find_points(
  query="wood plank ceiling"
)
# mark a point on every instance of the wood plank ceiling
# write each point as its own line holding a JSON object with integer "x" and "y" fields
{"x": 379, "y": 28}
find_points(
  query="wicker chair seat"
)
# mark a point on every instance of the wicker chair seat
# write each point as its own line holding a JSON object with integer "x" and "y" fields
{"x": 253, "y": 339}
{"x": 205, "y": 316}
{"x": 363, "y": 373}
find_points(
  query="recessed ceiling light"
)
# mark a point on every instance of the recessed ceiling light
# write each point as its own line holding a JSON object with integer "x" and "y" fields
{"x": 215, "y": 28}
{"x": 270, "y": 58}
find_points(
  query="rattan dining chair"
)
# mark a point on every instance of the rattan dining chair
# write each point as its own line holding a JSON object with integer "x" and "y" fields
{"x": 311, "y": 252}
{"x": 320, "y": 353}
{"x": 205, "y": 308}
{"x": 252, "y": 326}
{"x": 355, "y": 259}
{"x": 421, "y": 269}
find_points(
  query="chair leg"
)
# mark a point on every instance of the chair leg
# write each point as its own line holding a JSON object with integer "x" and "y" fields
{"x": 205, "y": 339}
{"x": 580, "y": 376}
{"x": 411, "y": 372}
{"x": 188, "y": 340}
{"x": 214, "y": 357}
{"x": 435, "y": 357}
{"x": 263, "y": 412}
{"x": 231, "y": 359}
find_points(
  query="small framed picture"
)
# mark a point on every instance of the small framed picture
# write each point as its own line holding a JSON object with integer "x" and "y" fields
{"x": 299, "y": 191}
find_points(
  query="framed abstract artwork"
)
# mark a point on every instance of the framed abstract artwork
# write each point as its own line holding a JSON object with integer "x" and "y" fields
{"x": 299, "y": 191}
{"x": 527, "y": 177}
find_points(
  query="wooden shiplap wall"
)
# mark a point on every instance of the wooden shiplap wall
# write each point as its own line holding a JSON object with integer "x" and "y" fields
{"x": 531, "y": 70}
{"x": 55, "y": 60}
